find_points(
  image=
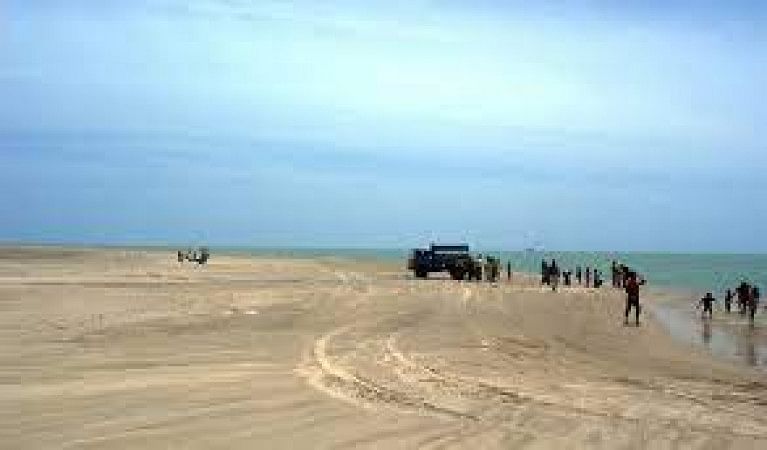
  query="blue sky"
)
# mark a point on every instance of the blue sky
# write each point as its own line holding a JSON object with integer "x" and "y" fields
{"x": 586, "y": 125}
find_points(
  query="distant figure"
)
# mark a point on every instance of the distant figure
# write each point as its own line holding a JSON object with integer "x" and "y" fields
{"x": 578, "y": 274}
{"x": 632, "y": 296}
{"x": 180, "y": 256}
{"x": 743, "y": 292}
{"x": 554, "y": 274}
{"x": 708, "y": 305}
{"x": 597, "y": 279}
{"x": 492, "y": 269}
{"x": 614, "y": 269}
{"x": 508, "y": 270}
{"x": 728, "y": 296}
{"x": 481, "y": 264}
{"x": 588, "y": 276}
{"x": 204, "y": 256}
{"x": 545, "y": 271}
{"x": 753, "y": 302}
{"x": 567, "y": 274}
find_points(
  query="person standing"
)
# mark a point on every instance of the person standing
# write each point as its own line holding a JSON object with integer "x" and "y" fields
{"x": 554, "y": 274}
{"x": 728, "y": 301}
{"x": 632, "y": 297}
{"x": 708, "y": 305}
{"x": 597, "y": 279}
{"x": 744, "y": 292}
{"x": 614, "y": 269}
{"x": 578, "y": 274}
{"x": 753, "y": 302}
{"x": 624, "y": 274}
{"x": 480, "y": 267}
{"x": 588, "y": 276}
{"x": 508, "y": 270}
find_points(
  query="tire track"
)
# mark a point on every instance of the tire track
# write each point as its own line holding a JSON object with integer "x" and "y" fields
{"x": 504, "y": 396}
{"x": 330, "y": 377}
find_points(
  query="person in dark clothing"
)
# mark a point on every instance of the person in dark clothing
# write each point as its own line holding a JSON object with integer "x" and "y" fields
{"x": 597, "y": 279}
{"x": 567, "y": 274}
{"x": 753, "y": 302}
{"x": 508, "y": 270}
{"x": 578, "y": 274}
{"x": 545, "y": 271}
{"x": 554, "y": 274}
{"x": 728, "y": 296}
{"x": 614, "y": 269}
{"x": 632, "y": 296}
{"x": 622, "y": 273}
{"x": 588, "y": 276}
{"x": 743, "y": 292}
{"x": 708, "y": 305}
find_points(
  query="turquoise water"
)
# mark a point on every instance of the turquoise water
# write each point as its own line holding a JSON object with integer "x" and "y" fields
{"x": 696, "y": 272}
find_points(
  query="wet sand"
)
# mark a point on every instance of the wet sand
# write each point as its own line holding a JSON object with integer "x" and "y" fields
{"x": 129, "y": 349}
{"x": 731, "y": 336}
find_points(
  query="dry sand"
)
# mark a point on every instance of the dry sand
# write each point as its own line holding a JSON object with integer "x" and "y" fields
{"x": 129, "y": 349}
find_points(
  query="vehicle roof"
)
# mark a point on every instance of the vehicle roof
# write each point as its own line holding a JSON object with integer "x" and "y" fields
{"x": 450, "y": 248}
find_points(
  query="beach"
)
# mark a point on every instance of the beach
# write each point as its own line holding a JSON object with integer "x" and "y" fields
{"x": 125, "y": 348}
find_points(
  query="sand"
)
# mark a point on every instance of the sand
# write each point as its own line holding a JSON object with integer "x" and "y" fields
{"x": 129, "y": 349}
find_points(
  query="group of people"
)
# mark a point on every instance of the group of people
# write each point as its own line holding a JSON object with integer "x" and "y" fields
{"x": 746, "y": 295}
{"x": 200, "y": 256}
{"x": 623, "y": 277}
{"x": 551, "y": 274}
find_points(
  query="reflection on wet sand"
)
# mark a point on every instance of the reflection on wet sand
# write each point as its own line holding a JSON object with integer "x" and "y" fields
{"x": 723, "y": 336}
{"x": 706, "y": 332}
{"x": 746, "y": 346}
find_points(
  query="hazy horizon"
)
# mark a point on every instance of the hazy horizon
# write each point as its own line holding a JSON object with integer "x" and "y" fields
{"x": 354, "y": 249}
{"x": 386, "y": 125}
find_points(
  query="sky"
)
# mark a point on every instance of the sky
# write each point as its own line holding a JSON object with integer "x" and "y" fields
{"x": 580, "y": 125}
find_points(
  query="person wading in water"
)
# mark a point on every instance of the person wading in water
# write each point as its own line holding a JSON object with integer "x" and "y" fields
{"x": 708, "y": 305}
{"x": 728, "y": 301}
{"x": 744, "y": 292}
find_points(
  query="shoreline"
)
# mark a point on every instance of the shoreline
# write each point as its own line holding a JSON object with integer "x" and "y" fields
{"x": 724, "y": 337}
{"x": 126, "y": 348}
